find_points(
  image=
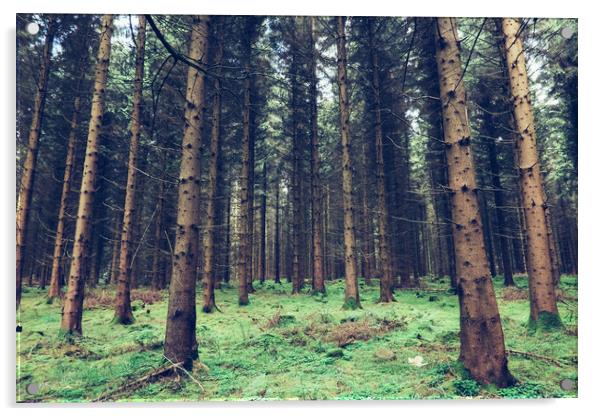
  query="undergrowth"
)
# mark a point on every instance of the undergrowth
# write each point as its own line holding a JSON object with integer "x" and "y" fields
{"x": 291, "y": 347}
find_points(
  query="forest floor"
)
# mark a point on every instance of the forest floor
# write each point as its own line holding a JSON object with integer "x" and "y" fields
{"x": 283, "y": 347}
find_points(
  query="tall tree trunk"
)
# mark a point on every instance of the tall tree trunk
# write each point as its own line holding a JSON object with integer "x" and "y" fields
{"x": 544, "y": 311}
{"x": 316, "y": 214}
{"x": 296, "y": 185}
{"x": 29, "y": 167}
{"x": 352, "y": 297}
{"x": 209, "y": 275}
{"x": 251, "y": 189}
{"x": 367, "y": 257}
{"x": 157, "y": 274}
{"x": 386, "y": 278}
{"x": 114, "y": 272}
{"x": 71, "y": 322}
{"x": 487, "y": 233}
{"x": 123, "y": 306}
{"x": 498, "y": 195}
{"x": 55, "y": 281}
{"x": 226, "y": 277}
{"x": 245, "y": 269}
{"x": 277, "y": 236}
{"x": 180, "y": 339}
{"x": 482, "y": 348}
{"x": 553, "y": 249}
{"x": 261, "y": 263}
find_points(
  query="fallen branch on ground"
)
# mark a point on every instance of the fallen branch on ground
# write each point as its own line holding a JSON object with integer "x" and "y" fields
{"x": 537, "y": 356}
{"x": 135, "y": 384}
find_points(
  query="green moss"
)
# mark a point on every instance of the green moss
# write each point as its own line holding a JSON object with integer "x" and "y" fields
{"x": 545, "y": 322}
{"x": 351, "y": 304}
{"x": 249, "y": 358}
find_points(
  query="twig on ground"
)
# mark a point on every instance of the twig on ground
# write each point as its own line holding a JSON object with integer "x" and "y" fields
{"x": 135, "y": 384}
{"x": 537, "y": 356}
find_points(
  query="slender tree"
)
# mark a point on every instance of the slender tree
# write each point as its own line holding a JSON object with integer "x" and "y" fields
{"x": 544, "y": 311}
{"x": 214, "y": 155}
{"x": 316, "y": 214}
{"x": 71, "y": 323}
{"x": 29, "y": 167}
{"x": 123, "y": 306}
{"x": 482, "y": 348}
{"x": 55, "y": 279}
{"x": 157, "y": 274}
{"x": 297, "y": 278}
{"x": 386, "y": 278}
{"x": 114, "y": 271}
{"x": 352, "y": 297}
{"x": 245, "y": 269}
{"x": 277, "y": 231}
{"x": 180, "y": 338}
{"x": 261, "y": 259}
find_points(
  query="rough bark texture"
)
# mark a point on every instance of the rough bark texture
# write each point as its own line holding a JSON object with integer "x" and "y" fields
{"x": 180, "y": 339}
{"x": 316, "y": 214}
{"x": 261, "y": 259}
{"x": 29, "y": 167}
{"x": 71, "y": 322}
{"x": 55, "y": 281}
{"x": 114, "y": 272}
{"x": 296, "y": 180}
{"x": 544, "y": 312}
{"x": 352, "y": 298}
{"x": 244, "y": 265}
{"x": 482, "y": 348}
{"x": 386, "y": 278}
{"x": 123, "y": 306}
{"x": 214, "y": 154}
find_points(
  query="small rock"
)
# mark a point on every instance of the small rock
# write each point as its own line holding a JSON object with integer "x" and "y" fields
{"x": 385, "y": 354}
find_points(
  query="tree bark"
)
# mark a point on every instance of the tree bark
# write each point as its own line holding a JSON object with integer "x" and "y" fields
{"x": 544, "y": 311}
{"x": 123, "y": 306}
{"x": 209, "y": 276}
{"x": 386, "y": 278}
{"x": 261, "y": 259}
{"x": 316, "y": 214}
{"x": 54, "y": 289}
{"x": 352, "y": 298}
{"x": 71, "y": 322}
{"x": 113, "y": 273}
{"x": 244, "y": 265}
{"x": 29, "y": 167}
{"x": 157, "y": 274}
{"x": 226, "y": 277}
{"x": 482, "y": 348}
{"x": 277, "y": 236}
{"x": 245, "y": 258}
{"x": 180, "y": 339}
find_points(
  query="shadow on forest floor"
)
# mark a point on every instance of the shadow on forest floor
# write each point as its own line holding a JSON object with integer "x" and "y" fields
{"x": 292, "y": 347}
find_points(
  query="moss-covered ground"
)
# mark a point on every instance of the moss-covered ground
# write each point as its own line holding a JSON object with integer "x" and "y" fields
{"x": 291, "y": 347}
